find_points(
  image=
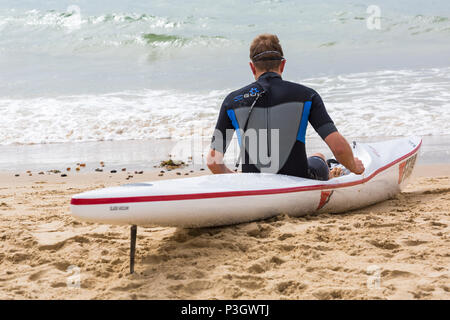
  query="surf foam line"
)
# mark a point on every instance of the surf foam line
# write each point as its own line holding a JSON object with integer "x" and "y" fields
{"x": 195, "y": 196}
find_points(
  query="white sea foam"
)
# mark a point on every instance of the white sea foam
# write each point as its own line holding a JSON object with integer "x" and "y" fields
{"x": 58, "y": 64}
{"x": 388, "y": 103}
{"x": 118, "y": 116}
{"x": 383, "y": 103}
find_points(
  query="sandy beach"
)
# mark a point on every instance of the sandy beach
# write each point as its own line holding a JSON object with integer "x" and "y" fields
{"x": 96, "y": 94}
{"x": 398, "y": 249}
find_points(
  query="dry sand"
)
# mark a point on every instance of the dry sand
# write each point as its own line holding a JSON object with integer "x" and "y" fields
{"x": 399, "y": 249}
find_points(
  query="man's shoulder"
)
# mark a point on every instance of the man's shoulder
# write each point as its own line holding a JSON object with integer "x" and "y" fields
{"x": 243, "y": 93}
{"x": 240, "y": 96}
{"x": 300, "y": 88}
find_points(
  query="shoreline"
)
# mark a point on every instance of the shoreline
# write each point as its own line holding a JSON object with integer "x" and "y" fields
{"x": 405, "y": 238}
{"x": 128, "y": 176}
{"x": 138, "y": 155}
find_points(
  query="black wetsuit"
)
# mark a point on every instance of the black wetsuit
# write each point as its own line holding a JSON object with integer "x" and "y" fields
{"x": 277, "y": 104}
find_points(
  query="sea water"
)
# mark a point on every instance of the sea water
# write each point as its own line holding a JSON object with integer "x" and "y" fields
{"x": 79, "y": 70}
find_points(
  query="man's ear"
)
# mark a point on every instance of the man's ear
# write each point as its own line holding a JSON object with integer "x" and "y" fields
{"x": 252, "y": 66}
{"x": 282, "y": 64}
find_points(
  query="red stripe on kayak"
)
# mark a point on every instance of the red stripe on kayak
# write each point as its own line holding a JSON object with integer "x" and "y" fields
{"x": 225, "y": 194}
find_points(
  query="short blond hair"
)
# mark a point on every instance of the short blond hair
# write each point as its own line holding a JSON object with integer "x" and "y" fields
{"x": 262, "y": 43}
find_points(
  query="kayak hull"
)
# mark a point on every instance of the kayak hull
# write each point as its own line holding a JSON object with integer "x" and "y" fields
{"x": 215, "y": 200}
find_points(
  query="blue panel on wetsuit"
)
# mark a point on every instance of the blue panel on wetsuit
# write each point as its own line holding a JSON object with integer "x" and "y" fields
{"x": 304, "y": 124}
{"x": 235, "y": 123}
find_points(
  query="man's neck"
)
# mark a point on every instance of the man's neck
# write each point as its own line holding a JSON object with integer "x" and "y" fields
{"x": 260, "y": 73}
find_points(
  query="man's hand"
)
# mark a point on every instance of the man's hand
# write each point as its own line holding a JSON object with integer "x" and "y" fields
{"x": 343, "y": 153}
{"x": 335, "y": 173}
{"x": 215, "y": 162}
{"x": 359, "y": 167}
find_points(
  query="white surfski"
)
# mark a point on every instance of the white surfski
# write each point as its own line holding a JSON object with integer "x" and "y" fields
{"x": 214, "y": 200}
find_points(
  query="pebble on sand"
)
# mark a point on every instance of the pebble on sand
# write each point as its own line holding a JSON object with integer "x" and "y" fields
{"x": 68, "y": 169}
{"x": 17, "y": 175}
{"x": 41, "y": 172}
{"x": 113, "y": 171}
{"x": 77, "y": 168}
{"x": 99, "y": 170}
{"x": 82, "y": 164}
{"x": 64, "y": 175}
{"x": 124, "y": 169}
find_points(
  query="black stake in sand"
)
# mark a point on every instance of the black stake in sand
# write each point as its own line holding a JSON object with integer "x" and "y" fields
{"x": 133, "y": 247}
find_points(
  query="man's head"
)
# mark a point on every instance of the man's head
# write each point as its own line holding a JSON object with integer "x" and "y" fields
{"x": 266, "y": 55}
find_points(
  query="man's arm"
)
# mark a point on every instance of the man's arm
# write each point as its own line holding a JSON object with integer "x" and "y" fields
{"x": 215, "y": 163}
{"x": 220, "y": 141}
{"x": 325, "y": 127}
{"x": 343, "y": 153}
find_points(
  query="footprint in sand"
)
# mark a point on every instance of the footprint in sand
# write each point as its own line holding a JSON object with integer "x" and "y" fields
{"x": 62, "y": 265}
{"x": 251, "y": 285}
{"x": 330, "y": 294}
{"x": 232, "y": 291}
{"x": 197, "y": 286}
{"x": 285, "y": 236}
{"x": 413, "y": 243}
{"x": 425, "y": 287}
{"x": 265, "y": 264}
{"x": 258, "y": 230}
{"x": 286, "y": 247}
{"x": 155, "y": 258}
{"x": 19, "y": 257}
{"x": 289, "y": 287}
{"x": 392, "y": 274}
{"x": 248, "y": 281}
{"x": 277, "y": 260}
{"x": 37, "y": 275}
{"x": 420, "y": 294}
{"x": 129, "y": 286}
{"x": 256, "y": 268}
{"x": 192, "y": 287}
{"x": 58, "y": 285}
{"x": 176, "y": 276}
{"x": 384, "y": 244}
{"x": 197, "y": 274}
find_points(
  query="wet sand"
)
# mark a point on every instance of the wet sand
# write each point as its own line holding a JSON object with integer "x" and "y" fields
{"x": 398, "y": 249}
